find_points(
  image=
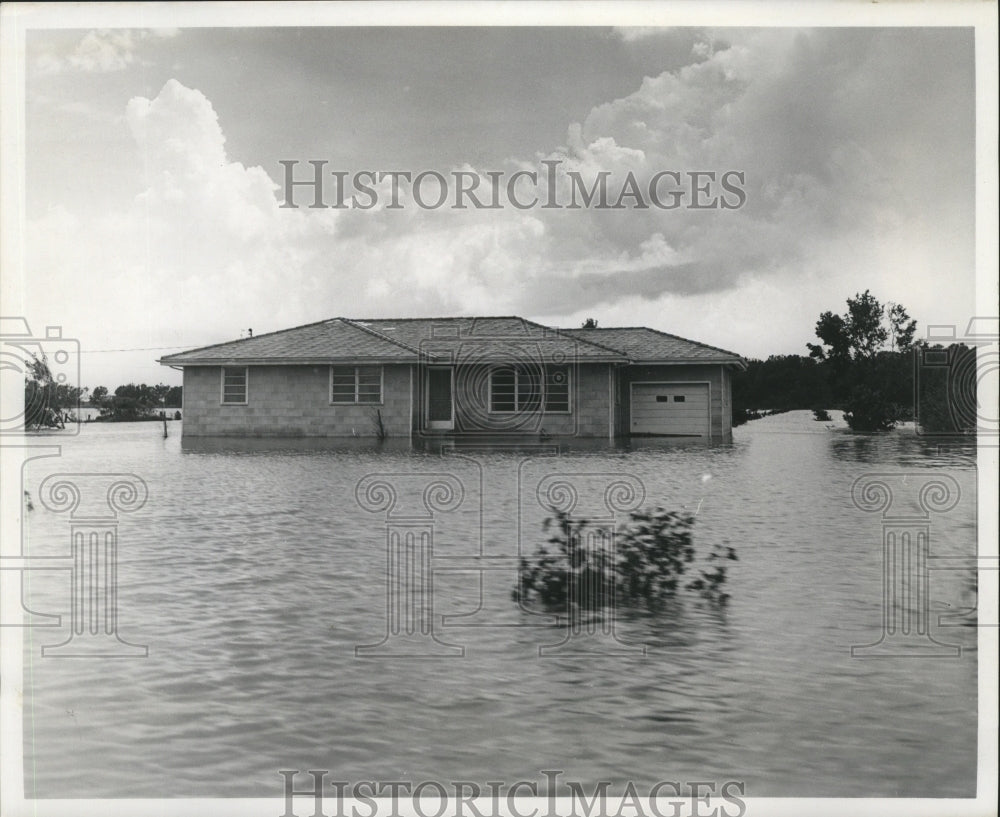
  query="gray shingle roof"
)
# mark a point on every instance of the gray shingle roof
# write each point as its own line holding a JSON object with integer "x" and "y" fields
{"x": 643, "y": 345}
{"x": 489, "y": 339}
{"x": 332, "y": 340}
{"x": 406, "y": 340}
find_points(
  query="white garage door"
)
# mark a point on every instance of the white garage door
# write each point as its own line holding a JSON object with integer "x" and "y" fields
{"x": 676, "y": 409}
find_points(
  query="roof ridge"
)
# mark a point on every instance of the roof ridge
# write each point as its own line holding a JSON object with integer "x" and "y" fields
{"x": 358, "y": 325}
{"x": 552, "y": 329}
{"x": 658, "y": 332}
{"x": 559, "y": 331}
{"x": 254, "y": 337}
{"x": 445, "y": 318}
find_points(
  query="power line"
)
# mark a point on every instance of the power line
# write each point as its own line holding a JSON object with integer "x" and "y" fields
{"x": 143, "y": 349}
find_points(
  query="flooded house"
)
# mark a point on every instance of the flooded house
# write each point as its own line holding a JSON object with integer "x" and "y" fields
{"x": 495, "y": 376}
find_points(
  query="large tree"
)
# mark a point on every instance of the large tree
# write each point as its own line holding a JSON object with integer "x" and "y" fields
{"x": 862, "y": 347}
{"x": 867, "y": 328}
{"x": 46, "y": 402}
{"x": 901, "y": 327}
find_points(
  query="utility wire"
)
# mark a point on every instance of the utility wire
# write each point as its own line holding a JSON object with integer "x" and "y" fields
{"x": 143, "y": 349}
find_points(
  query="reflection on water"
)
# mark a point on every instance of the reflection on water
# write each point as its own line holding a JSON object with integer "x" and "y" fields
{"x": 252, "y": 574}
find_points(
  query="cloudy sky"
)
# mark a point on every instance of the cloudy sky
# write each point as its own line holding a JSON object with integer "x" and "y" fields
{"x": 152, "y": 179}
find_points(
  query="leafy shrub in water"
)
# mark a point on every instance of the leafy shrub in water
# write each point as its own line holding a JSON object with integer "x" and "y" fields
{"x": 654, "y": 550}
{"x": 821, "y": 415}
{"x": 567, "y": 567}
{"x": 713, "y": 575}
{"x": 868, "y": 408}
{"x": 577, "y": 568}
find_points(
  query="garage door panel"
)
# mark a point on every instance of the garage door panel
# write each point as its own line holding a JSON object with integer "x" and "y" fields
{"x": 656, "y": 409}
{"x": 685, "y": 427}
{"x": 697, "y": 417}
{"x": 680, "y": 415}
{"x": 689, "y": 404}
{"x": 672, "y": 408}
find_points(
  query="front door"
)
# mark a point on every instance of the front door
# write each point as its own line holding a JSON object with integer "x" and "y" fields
{"x": 440, "y": 402}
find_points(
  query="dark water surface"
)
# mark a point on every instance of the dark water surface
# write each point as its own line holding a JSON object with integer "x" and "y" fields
{"x": 252, "y": 574}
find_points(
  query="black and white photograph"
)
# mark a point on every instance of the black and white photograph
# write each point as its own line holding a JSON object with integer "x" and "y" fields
{"x": 508, "y": 410}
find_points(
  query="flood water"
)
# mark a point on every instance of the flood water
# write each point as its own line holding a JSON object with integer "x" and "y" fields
{"x": 252, "y": 574}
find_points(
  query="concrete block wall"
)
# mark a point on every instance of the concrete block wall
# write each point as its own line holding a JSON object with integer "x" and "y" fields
{"x": 593, "y": 400}
{"x": 292, "y": 401}
{"x": 727, "y": 403}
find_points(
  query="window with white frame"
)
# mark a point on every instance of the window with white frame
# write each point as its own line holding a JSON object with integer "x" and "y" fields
{"x": 234, "y": 385}
{"x": 522, "y": 388}
{"x": 355, "y": 384}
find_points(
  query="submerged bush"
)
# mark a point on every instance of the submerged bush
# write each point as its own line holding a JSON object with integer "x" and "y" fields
{"x": 584, "y": 567}
{"x": 568, "y": 567}
{"x": 868, "y": 408}
{"x": 654, "y": 550}
{"x": 821, "y": 415}
{"x": 713, "y": 575}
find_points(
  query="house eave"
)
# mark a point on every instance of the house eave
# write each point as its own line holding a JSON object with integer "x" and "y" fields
{"x": 304, "y": 361}
{"x": 738, "y": 363}
{"x": 357, "y": 360}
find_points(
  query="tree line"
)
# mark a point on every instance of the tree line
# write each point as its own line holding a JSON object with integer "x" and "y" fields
{"x": 50, "y": 404}
{"x": 867, "y": 365}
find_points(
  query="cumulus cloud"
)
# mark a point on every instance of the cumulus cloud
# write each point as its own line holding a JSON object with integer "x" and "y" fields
{"x": 204, "y": 242}
{"x": 851, "y": 143}
{"x": 205, "y": 248}
{"x": 101, "y": 50}
{"x": 838, "y": 133}
{"x": 631, "y": 34}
